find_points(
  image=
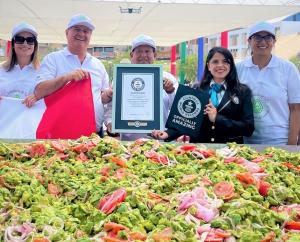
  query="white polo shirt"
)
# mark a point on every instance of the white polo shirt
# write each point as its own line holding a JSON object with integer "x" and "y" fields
{"x": 273, "y": 88}
{"x": 167, "y": 104}
{"x": 17, "y": 83}
{"x": 61, "y": 62}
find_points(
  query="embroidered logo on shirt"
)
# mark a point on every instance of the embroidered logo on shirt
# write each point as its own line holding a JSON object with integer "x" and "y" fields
{"x": 260, "y": 106}
{"x": 189, "y": 106}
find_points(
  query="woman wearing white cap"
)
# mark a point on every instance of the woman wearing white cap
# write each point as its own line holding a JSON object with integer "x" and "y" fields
{"x": 275, "y": 85}
{"x": 18, "y": 72}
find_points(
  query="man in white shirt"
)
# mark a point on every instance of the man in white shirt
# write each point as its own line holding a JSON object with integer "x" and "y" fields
{"x": 74, "y": 63}
{"x": 144, "y": 52}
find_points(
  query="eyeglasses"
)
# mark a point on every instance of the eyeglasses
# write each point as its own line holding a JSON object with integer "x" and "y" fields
{"x": 85, "y": 30}
{"x": 259, "y": 38}
{"x": 20, "y": 40}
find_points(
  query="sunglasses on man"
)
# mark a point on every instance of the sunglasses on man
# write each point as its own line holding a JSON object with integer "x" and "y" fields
{"x": 21, "y": 40}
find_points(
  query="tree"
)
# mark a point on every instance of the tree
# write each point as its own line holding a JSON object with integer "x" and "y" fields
{"x": 190, "y": 68}
{"x": 109, "y": 64}
{"x": 296, "y": 61}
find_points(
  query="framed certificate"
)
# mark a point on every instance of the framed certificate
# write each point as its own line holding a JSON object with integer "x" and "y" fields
{"x": 187, "y": 110}
{"x": 137, "y": 98}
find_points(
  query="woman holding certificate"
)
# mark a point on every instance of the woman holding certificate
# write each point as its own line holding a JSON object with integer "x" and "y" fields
{"x": 228, "y": 116}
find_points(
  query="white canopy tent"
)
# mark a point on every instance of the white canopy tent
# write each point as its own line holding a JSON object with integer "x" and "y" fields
{"x": 118, "y": 22}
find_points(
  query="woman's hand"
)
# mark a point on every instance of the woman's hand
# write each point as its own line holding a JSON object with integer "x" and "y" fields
{"x": 157, "y": 134}
{"x": 29, "y": 100}
{"x": 211, "y": 111}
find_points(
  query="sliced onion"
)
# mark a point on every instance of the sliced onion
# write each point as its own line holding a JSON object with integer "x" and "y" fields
{"x": 11, "y": 232}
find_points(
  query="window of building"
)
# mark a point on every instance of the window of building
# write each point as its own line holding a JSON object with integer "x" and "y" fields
{"x": 234, "y": 52}
{"x": 98, "y": 49}
{"x": 233, "y": 39}
{"x": 213, "y": 42}
{"x": 244, "y": 39}
{"x": 108, "y": 49}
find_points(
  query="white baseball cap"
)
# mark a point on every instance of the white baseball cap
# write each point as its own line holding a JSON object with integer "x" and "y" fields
{"x": 143, "y": 40}
{"x": 23, "y": 27}
{"x": 81, "y": 19}
{"x": 262, "y": 26}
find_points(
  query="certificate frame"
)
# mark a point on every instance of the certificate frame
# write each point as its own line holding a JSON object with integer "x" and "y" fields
{"x": 137, "y": 105}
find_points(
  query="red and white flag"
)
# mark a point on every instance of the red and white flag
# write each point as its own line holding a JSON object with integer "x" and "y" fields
{"x": 66, "y": 114}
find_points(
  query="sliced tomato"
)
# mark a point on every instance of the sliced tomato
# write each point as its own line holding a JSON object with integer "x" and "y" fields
{"x": 259, "y": 159}
{"x": 288, "y": 165}
{"x": 154, "y": 195}
{"x": 82, "y": 157}
{"x": 221, "y": 233}
{"x": 120, "y": 173}
{"x": 264, "y": 188}
{"x": 217, "y": 235}
{"x": 39, "y": 177}
{"x": 140, "y": 141}
{"x": 157, "y": 197}
{"x": 40, "y": 240}
{"x": 103, "y": 201}
{"x": 80, "y": 148}
{"x": 163, "y": 236}
{"x": 137, "y": 236}
{"x": 246, "y": 178}
{"x": 224, "y": 190}
{"x": 229, "y": 160}
{"x": 105, "y": 171}
{"x": 53, "y": 189}
{"x": 108, "y": 203}
{"x": 269, "y": 237}
{"x": 206, "y": 181}
{"x": 207, "y": 153}
{"x": 292, "y": 225}
{"x": 179, "y": 152}
{"x": 119, "y": 161}
{"x": 59, "y": 146}
{"x": 186, "y": 179}
{"x": 110, "y": 239}
{"x": 37, "y": 150}
{"x": 156, "y": 157}
{"x": 163, "y": 159}
{"x": 115, "y": 227}
{"x": 187, "y": 147}
{"x": 291, "y": 166}
{"x": 62, "y": 156}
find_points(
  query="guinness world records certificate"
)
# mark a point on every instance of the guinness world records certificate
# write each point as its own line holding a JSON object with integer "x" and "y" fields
{"x": 137, "y": 98}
